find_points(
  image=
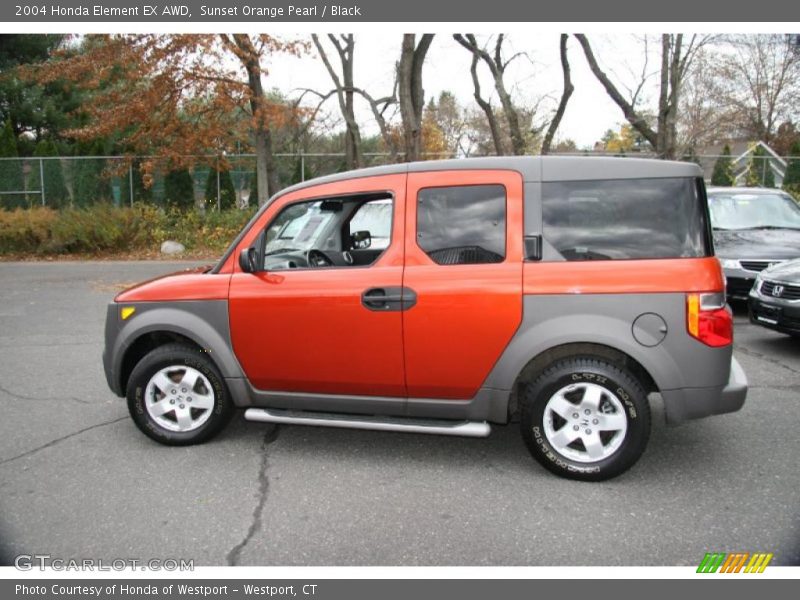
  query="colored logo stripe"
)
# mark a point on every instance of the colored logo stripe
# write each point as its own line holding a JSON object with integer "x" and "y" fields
{"x": 734, "y": 562}
{"x": 711, "y": 562}
{"x": 758, "y": 563}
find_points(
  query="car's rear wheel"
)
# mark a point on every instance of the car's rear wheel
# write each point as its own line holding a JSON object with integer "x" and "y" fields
{"x": 585, "y": 418}
{"x": 177, "y": 396}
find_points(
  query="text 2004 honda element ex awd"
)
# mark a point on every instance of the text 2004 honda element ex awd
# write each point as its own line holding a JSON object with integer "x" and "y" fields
{"x": 441, "y": 297}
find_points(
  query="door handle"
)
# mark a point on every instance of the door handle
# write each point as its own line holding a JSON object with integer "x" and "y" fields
{"x": 383, "y": 299}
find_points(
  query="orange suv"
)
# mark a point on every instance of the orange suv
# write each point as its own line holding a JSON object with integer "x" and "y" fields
{"x": 442, "y": 297}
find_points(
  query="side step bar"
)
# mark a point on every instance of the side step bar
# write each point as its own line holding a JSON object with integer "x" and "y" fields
{"x": 434, "y": 426}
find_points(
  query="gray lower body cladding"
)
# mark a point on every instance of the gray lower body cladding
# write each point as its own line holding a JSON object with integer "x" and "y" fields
{"x": 695, "y": 380}
{"x": 204, "y": 322}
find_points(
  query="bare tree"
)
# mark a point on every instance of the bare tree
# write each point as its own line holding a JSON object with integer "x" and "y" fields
{"x": 759, "y": 82}
{"x": 497, "y": 67}
{"x": 676, "y": 58}
{"x": 565, "y": 95}
{"x": 410, "y": 91}
{"x": 701, "y": 119}
{"x": 486, "y": 107}
{"x": 379, "y": 106}
{"x": 345, "y": 92}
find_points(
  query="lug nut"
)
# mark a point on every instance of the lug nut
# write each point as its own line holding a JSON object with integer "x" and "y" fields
{"x": 182, "y": 406}
{"x": 174, "y": 392}
{"x": 587, "y": 411}
{"x": 588, "y": 432}
{"x": 574, "y": 415}
{"x": 189, "y": 399}
{"x": 172, "y": 401}
{"x": 576, "y": 428}
{"x": 595, "y": 421}
{"x": 183, "y": 390}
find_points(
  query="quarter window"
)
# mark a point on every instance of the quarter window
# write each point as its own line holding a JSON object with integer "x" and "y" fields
{"x": 626, "y": 219}
{"x": 462, "y": 225}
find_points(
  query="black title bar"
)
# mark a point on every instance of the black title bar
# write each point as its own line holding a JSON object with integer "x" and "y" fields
{"x": 441, "y": 11}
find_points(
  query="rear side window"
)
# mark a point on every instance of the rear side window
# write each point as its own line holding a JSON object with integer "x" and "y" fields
{"x": 462, "y": 225}
{"x": 626, "y": 219}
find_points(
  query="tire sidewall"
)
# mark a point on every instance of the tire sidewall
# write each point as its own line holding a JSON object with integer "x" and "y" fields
{"x": 623, "y": 386}
{"x": 178, "y": 357}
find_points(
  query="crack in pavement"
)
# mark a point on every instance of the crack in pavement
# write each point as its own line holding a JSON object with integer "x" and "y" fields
{"x": 232, "y": 558}
{"x": 61, "y": 439}
{"x": 764, "y": 357}
{"x": 16, "y": 396}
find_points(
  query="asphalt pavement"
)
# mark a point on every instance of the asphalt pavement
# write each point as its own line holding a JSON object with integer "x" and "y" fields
{"x": 78, "y": 480}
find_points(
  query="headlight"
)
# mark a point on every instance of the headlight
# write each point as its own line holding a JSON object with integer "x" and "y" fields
{"x": 730, "y": 263}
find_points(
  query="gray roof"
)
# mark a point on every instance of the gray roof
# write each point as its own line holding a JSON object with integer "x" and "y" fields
{"x": 532, "y": 168}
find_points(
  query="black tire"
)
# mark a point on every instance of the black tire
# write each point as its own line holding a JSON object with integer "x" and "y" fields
{"x": 576, "y": 372}
{"x": 178, "y": 355}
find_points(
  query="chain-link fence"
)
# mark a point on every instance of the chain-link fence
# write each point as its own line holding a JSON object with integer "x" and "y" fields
{"x": 230, "y": 181}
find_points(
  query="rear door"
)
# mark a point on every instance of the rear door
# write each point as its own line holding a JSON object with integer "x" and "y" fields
{"x": 464, "y": 263}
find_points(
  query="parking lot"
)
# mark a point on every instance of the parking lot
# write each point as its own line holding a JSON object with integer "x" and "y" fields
{"x": 77, "y": 479}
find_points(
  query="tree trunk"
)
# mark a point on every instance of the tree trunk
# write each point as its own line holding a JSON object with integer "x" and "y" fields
{"x": 497, "y": 68}
{"x": 345, "y": 93}
{"x": 663, "y": 96}
{"x": 265, "y": 163}
{"x": 410, "y": 91}
{"x": 565, "y": 95}
{"x": 675, "y": 81}
{"x": 518, "y": 144}
{"x": 497, "y": 135}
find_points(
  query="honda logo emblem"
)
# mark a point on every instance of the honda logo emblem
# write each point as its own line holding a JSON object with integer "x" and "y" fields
{"x": 777, "y": 291}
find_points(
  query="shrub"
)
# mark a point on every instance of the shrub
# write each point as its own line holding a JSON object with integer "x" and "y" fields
{"x": 25, "y": 231}
{"x": 227, "y": 193}
{"x": 723, "y": 169}
{"x": 179, "y": 188}
{"x": 104, "y": 228}
{"x": 791, "y": 180}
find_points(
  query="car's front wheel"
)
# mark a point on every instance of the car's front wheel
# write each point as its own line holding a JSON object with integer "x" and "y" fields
{"x": 177, "y": 396}
{"x": 585, "y": 418}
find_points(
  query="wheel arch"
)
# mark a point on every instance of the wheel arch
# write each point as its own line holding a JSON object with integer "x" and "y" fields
{"x": 539, "y": 363}
{"x": 200, "y": 325}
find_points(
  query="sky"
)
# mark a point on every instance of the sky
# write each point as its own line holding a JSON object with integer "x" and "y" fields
{"x": 537, "y": 74}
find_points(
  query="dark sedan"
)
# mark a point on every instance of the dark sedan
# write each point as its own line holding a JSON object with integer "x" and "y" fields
{"x": 754, "y": 229}
{"x": 775, "y": 298}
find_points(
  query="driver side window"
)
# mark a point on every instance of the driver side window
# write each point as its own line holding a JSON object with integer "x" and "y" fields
{"x": 335, "y": 232}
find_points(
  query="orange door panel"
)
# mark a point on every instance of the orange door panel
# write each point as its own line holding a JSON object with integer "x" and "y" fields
{"x": 306, "y": 330}
{"x": 466, "y": 314}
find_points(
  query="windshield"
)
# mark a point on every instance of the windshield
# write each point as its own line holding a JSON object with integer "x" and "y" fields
{"x": 753, "y": 211}
{"x": 298, "y": 228}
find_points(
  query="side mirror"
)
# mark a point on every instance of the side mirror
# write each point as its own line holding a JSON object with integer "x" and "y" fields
{"x": 248, "y": 260}
{"x": 360, "y": 240}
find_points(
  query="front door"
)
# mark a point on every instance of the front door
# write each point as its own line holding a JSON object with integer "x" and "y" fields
{"x": 321, "y": 317}
{"x": 464, "y": 262}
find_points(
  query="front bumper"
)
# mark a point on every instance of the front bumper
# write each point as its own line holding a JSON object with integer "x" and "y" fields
{"x": 773, "y": 313}
{"x": 686, "y": 404}
{"x": 111, "y": 332}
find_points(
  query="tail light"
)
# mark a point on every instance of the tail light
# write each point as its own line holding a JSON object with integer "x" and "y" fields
{"x": 708, "y": 319}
